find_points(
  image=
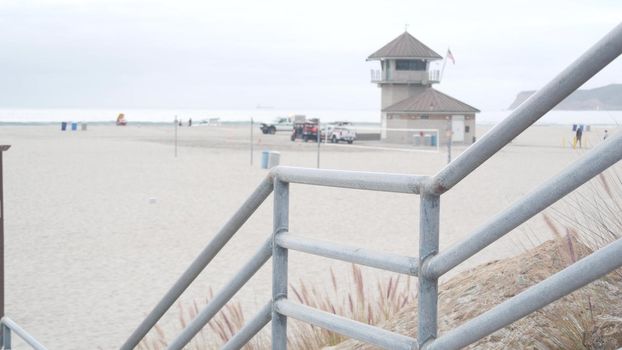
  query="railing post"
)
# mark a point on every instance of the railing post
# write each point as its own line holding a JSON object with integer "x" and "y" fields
{"x": 2, "y": 149}
{"x": 279, "y": 263}
{"x": 6, "y": 337}
{"x": 428, "y": 287}
{"x": 319, "y": 141}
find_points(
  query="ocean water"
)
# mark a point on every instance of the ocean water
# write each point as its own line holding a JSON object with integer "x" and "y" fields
{"x": 260, "y": 115}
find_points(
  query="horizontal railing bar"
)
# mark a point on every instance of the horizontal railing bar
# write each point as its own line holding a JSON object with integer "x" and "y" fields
{"x": 226, "y": 293}
{"x": 344, "y": 326}
{"x": 586, "y": 66}
{"x": 222, "y": 237}
{"x": 249, "y": 330}
{"x": 29, "y": 339}
{"x": 360, "y": 180}
{"x": 555, "y": 287}
{"x": 591, "y": 164}
{"x": 384, "y": 261}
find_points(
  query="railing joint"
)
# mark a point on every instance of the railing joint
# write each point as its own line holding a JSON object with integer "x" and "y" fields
{"x": 424, "y": 267}
{"x": 429, "y": 256}
{"x": 281, "y": 230}
{"x": 414, "y": 267}
{"x": 427, "y": 342}
{"x": 279, "y": 297}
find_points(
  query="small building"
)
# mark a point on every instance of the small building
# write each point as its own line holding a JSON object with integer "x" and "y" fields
{"x": 408, "y": 100}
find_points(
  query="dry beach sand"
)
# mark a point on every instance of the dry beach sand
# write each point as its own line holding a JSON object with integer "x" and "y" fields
{"x": 99, "y": 224}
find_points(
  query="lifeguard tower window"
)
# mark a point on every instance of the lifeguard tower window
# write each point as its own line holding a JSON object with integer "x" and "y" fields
{"x": 409, "y": 65}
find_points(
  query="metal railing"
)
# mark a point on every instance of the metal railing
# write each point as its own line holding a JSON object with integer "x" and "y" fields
{"x": 8, "y": 327}
{"x": 434, "y": 76}
{"x": 430, "y": 264}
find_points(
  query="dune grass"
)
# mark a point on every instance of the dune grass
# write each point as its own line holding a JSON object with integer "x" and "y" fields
{"x": 353, "y": 297}
{"x": 593, "y": 216}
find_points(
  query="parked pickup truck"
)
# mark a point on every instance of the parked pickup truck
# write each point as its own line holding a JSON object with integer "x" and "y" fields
{"x": 336, "y": 133}
{"x": 307, "y": 131}
{"x": 281, "y": 124}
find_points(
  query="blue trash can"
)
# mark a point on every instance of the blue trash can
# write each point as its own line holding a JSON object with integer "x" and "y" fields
{"x": 433, "y": 140}
{"x": 264, "y": 159}
{"x": 63, "y": 126}
{"x": 74, "y": 126}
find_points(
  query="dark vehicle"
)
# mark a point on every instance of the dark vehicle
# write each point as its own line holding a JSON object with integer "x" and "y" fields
{"x": 307, "y": 131}
{"x": 279, "y": 124}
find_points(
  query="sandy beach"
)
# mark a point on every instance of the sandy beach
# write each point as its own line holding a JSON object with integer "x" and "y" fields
{"x": 100, "y": 223}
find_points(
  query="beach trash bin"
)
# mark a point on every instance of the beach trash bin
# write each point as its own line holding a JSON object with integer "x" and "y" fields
{"x": 264, "y": 159}
{"x": 273, "y": 159}
{"x": 63, "y": 126}
{"x": 74, "y": 126}
{"x": 83, "y": 126}
{"x": 433, "y": 141}
{"x": 417, "y": 139}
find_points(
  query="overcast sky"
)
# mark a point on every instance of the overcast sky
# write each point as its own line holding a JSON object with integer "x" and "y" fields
{"x": 230, "y": 54}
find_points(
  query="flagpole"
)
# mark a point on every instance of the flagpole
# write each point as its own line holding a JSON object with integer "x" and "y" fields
{"x": 444, "y": 64}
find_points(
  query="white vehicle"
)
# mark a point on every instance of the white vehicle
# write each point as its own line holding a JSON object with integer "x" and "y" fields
{"x": 280, "y": 124}
{"x": 337, "y": 133}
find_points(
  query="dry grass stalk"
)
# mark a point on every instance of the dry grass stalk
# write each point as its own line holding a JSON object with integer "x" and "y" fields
{"x": 354, "y": 300}
{"x": 592, "y": 215}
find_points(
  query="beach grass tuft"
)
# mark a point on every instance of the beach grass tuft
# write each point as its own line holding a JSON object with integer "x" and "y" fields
{"x": 358, "y": 299}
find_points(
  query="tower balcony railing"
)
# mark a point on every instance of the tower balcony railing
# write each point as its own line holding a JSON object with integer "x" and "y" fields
{"x": 405, "y": 77}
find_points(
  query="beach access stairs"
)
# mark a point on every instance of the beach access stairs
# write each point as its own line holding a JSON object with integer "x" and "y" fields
{"x": 430, "y": 264}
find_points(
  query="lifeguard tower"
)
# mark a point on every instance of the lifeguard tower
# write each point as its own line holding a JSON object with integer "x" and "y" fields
{"x": 408, "y": 100}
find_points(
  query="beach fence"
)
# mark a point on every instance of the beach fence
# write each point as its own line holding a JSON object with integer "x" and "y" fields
{"x": 430, "y": 264}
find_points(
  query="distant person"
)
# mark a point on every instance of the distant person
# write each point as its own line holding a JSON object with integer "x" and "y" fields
{"x": 121, "y": 121}
{"x": 579, "y": 135}
{"x": 190, "y": 122}
{"x": 606, "y": 135}
{"x": 180, "y": 123}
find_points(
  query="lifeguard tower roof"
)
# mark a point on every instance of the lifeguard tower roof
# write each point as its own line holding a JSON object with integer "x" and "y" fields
{"x": 404, "y": 46}
{"x": 429, "y": 100}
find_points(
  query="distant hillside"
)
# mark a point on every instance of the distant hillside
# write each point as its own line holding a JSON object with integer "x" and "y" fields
{"x": 603, "y": 98}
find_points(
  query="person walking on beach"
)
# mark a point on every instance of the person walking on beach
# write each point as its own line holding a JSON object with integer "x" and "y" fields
{"x": 190, "y": 122}
{"x": 579, "y": 135}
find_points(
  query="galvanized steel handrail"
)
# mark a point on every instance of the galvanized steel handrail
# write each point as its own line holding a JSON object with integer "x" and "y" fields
{"x": 222, "y": 237}
{"x": 251, "y": 328}
{"x": 593, "y": 163}
{"x": 402, "y": 183}
{"x": 345, "y": 326}
{"x": 360, "y": 180}
{"x": 228, "y": 291}
{"x": 9, "y": 326}
{"x": 384, "y": 261}
{"x": 430, "y": 264}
